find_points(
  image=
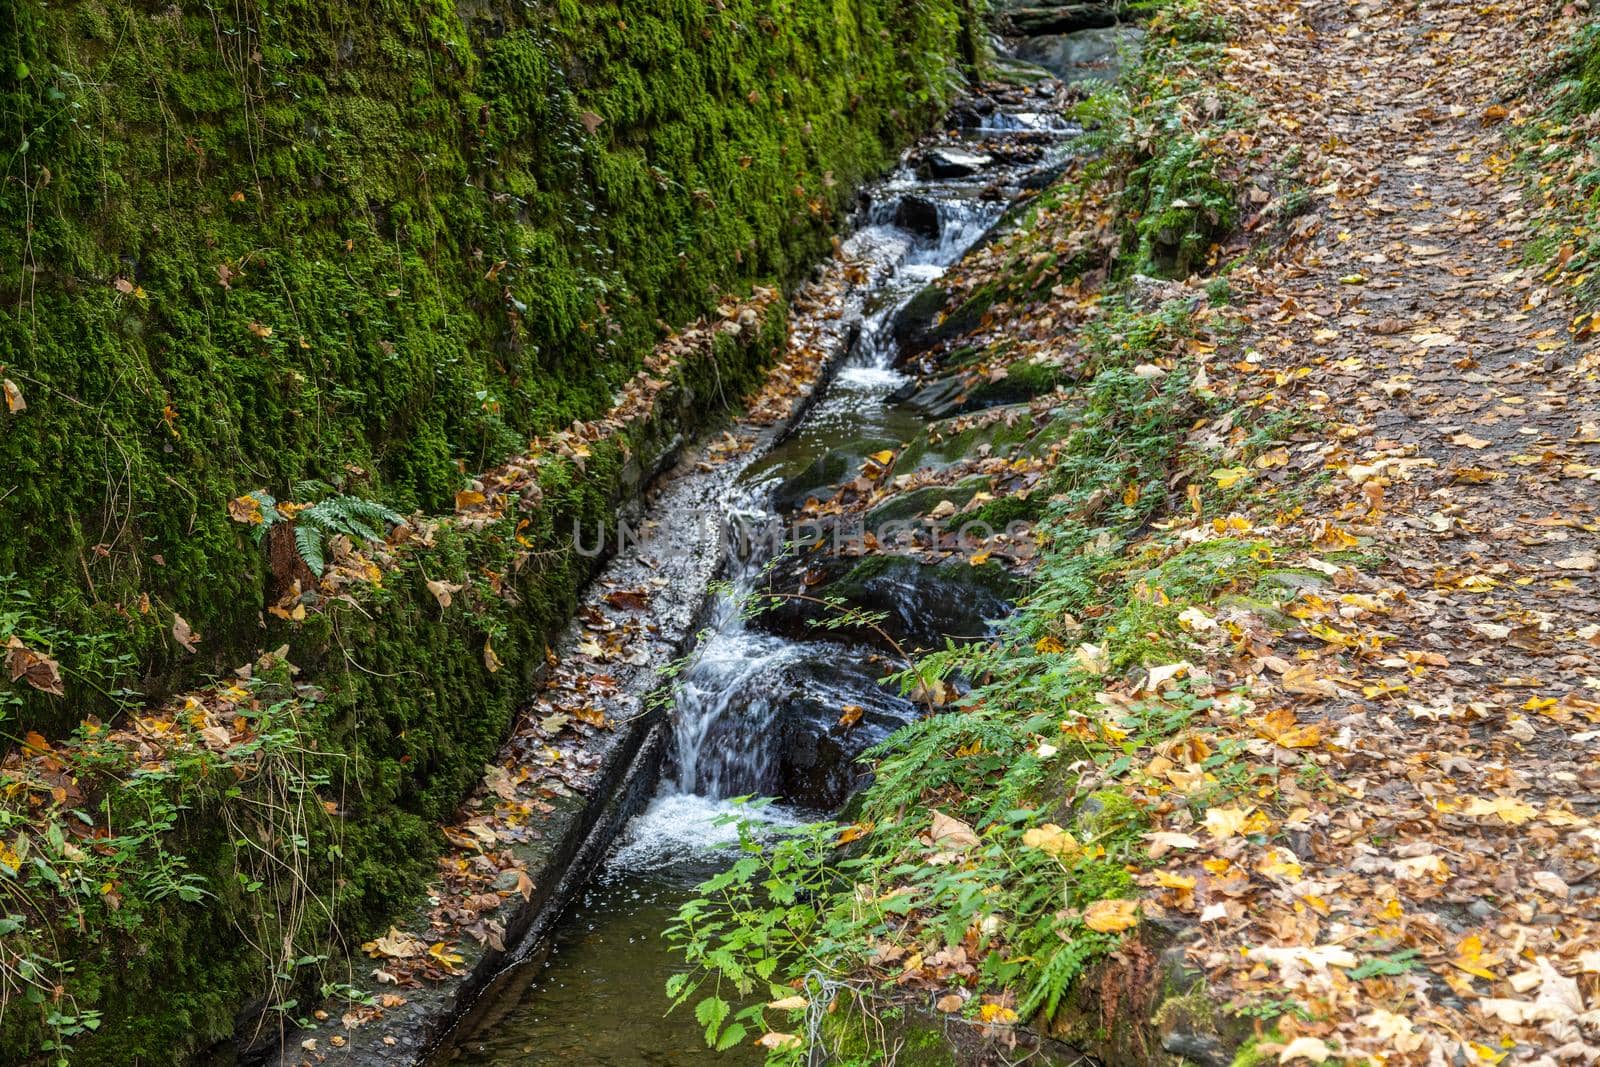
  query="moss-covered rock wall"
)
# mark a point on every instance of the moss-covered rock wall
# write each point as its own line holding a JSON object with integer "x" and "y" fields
{"x": 375, "y": 243}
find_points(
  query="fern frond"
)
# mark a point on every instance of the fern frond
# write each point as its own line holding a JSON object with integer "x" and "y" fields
{"x": 1055, "y": 977}
{"x": 352, "y": 516}
{"x": 308, "y": 540}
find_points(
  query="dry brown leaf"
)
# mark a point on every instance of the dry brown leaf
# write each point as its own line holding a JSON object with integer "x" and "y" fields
{"x": 181, "y": 633}
{"x": 951, "y": 833}
{"x": 35, "y": 668}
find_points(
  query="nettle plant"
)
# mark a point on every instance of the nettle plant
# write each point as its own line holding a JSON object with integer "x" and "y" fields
{"x": 316, "y": 525}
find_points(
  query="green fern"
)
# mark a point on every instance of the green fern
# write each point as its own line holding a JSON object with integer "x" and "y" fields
{"x": 1056, "y": 975}
{"x": 315, "y": 526}
{"x": 363, "y": 520}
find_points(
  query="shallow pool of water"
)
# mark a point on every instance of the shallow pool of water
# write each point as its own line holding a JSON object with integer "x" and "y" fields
{"x": 599, "y": 998}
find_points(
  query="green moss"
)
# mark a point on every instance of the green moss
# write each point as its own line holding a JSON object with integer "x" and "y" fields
{"x": 462, "y": 229}
{"x": 404, "y": 716}
{"x": 917, "y": 502}
{"x": 863, "y": 1033}
{"x": 999, "y": 513}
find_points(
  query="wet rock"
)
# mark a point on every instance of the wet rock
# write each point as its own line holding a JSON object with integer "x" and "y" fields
{"x": 971, "y": 112}
{"x": 815, "y": 714}
{"x": 1034, "y": 17}
{"x": 1082, "y": 56}
{"x": 817, "y": 480}
{"x": 960, "y": 393}
{"x": 938, "y": 398}
{"x": 954, "y": 163}
{"x": 818, "y": 748}
{"x": 921, "y": 604}
{"x": 1018, "y": 72}
{"x": 914, "y": 503}
{"x": 918, "y": 215}
{"x": 916, "y": 324}
{"x": 825, "y": 474}
{"x": 925, "y": 321}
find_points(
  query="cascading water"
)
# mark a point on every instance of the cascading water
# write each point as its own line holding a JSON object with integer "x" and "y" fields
{"x": 727, "y": 699}
{"x": 736, "y": 699}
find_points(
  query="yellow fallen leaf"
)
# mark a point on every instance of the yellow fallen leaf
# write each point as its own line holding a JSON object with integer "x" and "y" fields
{"x": 951, "y": 833}
{"x": 1228, "y": 477}
{"x": 1470, "y": 957}
{"x": 1052, "y": 839}
{"x": 1313, "y": 1049}
{"x": 1111, "y": 916}
{"x": 395, "y": 945}
{"x": 14, "y": 401}
{"x": 1226, "y": 822}
{"x": 1276, "y": 457}
{"x": 1279, "y": 863}
{"x": 795, "y": 1003}
{"x": 1092, "y": 658}
{"x": 440, "y": 951}
{"x": 1510, "y": 810}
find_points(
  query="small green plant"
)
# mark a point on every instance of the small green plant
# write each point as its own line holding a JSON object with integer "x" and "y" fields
{"x": 317, "y": 524}
{"x": 1398, "y": 963}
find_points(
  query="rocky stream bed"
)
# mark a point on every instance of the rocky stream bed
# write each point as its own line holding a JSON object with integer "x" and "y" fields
{"x": 775, "y": 705}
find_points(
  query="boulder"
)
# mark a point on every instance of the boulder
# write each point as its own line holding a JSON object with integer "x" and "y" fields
{"x": 918, "y": 215}
{"x": 971, "y": 111}
{"x": 1014, "y": 71}
{"x": 1031, "y": 18}
{"x": 954, "y": 163}
{"x": 922, "y": 603}
{"x": 822, "y": 478}
{"x": 1082, "y": 56}
{"x": 796, "y": 729}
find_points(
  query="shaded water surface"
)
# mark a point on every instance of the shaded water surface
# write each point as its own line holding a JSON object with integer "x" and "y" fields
{"x": 598, "y": 998}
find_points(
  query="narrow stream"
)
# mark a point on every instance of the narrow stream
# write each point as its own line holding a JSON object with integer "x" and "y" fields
{"x": 752, "y": 709}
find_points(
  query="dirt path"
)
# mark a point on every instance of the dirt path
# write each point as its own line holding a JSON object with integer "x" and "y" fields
{"x": 1450, "y": 831}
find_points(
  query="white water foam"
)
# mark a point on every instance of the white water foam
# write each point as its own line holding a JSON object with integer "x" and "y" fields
{"x": 873, "y": 379}
{"x": 683, "y": 826}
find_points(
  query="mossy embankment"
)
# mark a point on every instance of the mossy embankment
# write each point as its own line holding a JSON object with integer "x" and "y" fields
{"x": 375, "y": 246}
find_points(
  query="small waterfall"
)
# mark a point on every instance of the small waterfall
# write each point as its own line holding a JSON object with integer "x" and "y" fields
{"x": 726, "y": 703}
{"x": 730, "y": 701}
{"x": 1026, "y": 122}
